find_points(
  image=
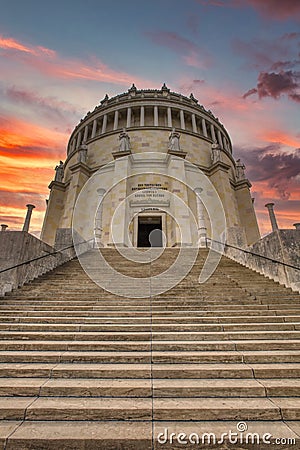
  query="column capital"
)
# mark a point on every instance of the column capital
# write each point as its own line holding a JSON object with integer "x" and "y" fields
{"x": 30, "y": 207}
{"x": 269, "y": 205}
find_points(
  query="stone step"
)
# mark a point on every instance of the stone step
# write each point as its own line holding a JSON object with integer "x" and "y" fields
{"x": 204, "y": 301}
{"x": 147, "y": 326}
{"x": 33, "y": 387}
{"x": 134, "y": 435}
{"x": 146, "y": 346}
{"x": 79, "y": 363}
{"x": 272, "y": 320}
{"x": 168, "y": 409}
{"x": 159, "y": 370}
{"x": 292, "y": 336}
{"x": 167, "y": 312}
{"x": 88, "y": 356}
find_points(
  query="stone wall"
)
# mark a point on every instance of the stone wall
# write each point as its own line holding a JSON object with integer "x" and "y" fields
{"x": 17, "y": 247}
{"x": 280, "y": 245}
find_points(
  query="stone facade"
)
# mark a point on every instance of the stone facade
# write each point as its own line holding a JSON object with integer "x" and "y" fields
{"x": 148, "y": 117}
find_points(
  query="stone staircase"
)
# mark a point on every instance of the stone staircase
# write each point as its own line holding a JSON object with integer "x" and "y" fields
{"x": 81, "y": 368}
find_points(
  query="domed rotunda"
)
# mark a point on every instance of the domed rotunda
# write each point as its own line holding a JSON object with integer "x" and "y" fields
{"x": 145, "y": 147}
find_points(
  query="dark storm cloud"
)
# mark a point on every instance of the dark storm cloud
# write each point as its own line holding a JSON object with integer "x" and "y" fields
{"x": 280, "y": 170}
{"x": 274, "y": 85}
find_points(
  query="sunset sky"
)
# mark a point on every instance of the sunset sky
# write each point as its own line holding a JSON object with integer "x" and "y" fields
{"x": 240, "y": 58}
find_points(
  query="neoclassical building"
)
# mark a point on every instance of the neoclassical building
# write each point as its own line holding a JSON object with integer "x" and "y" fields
{"x": 141, "y": 159}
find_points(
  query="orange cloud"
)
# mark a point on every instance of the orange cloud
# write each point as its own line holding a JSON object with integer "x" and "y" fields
{"x": 48, "y": 62}
{"x": 281, "y": 137}
{"x": 28, "y": 155}
{"x": 12, "y": 44}
{"x": 16, "y": 135}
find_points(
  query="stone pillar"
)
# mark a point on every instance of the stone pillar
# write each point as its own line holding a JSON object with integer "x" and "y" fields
{"x": 213, "y": 134}
{"x": 78, "y": 139}
{"x": 3, "y": 227}
{"x": 296, "y": 225}
{"x": 273, "y": 221}
{"x": 73, "y": 144}
{"x": 98, "y": 220}
{"x": 94, "y": 128}
{"x": 204, "y": 128}
{"x": 116, "y": 120}
{"x": 128, "y": 124}
{"x": 169, "y": 113}
{"x": 202, "y": 231}
{"x": 220, "y": 139}
{"x": 104, "y": 123}
{"x": 194, "y": 125}
{"x": 182, "y": 122}
{"x": 155, "y": 113}
{"x": 85, "y": 135}
{"x": 142, "y": 116}
{"x": 28, "y": 217}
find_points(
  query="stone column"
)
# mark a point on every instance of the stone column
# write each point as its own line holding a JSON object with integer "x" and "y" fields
{"x": 116, "y": 120}
{"x": 85, "y": 135}
{"x": 73, "y": 144}
{"x": 182, "y": 122}
{"x": 296, "y": 225}
{"x": 98, "y": 220}
{"x": 94, "y": 128}
{"x": 204, "y": 128}
{"x": 78, "y": 139}
{"x": 220, "y": 139}
{"x": 213, "y": 134}
{"x": 202, "y": 231}
{"x": 3, "y": 227}
{"x": 104, "y": 123}
{"x": 128, "y": 124}
{"x": 194, "y": 125}
{"x": 273, "y": 221}
{"x": 28, "y": 217}
{"x": 155, "y": 114}
{"x": 142, "y": 116}
{"x": 169, "y": 113}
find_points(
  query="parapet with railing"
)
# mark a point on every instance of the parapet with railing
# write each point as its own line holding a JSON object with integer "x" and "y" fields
{"x": 20, "y": 269}
{"x": 275, "y": 269}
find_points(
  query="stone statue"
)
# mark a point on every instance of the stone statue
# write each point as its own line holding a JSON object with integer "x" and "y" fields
{"x": 215, "y": 152}
{"x": 240, "y": 170}
{"x": 174, "y": 141}
{"x": 59, "y": 175}
{"x": 82, "y": 153}
{"x": 124, "y": 141}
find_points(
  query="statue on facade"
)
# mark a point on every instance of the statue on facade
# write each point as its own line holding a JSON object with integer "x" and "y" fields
{"x": 124, "y": 141}
{"x": 59, "y": 172}
{"x": 174, "y": 141}
{"x": 215, "y": 152}
{"x": 240, "y": 170}
{"x": 82, "y": 153}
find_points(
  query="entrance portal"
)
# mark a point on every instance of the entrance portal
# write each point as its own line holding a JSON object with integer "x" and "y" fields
{"x": 149, "y": 231}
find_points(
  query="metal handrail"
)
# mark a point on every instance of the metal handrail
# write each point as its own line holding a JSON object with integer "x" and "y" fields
{"x": 255, "y": 254}
{"x": 43, "y": 256}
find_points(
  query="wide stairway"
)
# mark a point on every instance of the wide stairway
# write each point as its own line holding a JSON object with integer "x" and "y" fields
{"x": 81, "y": 368}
